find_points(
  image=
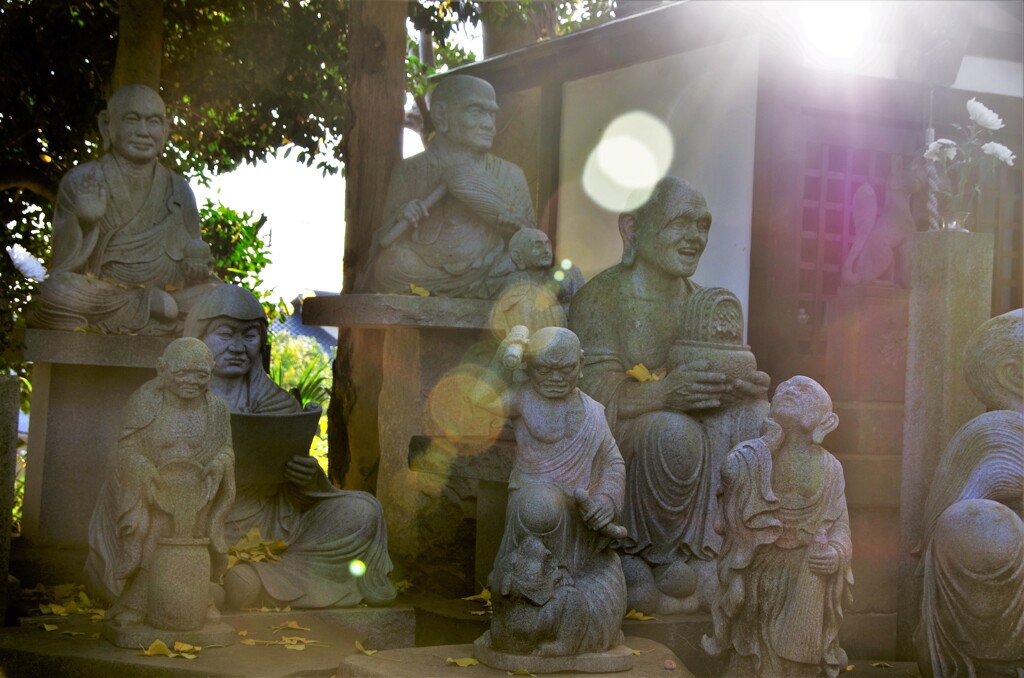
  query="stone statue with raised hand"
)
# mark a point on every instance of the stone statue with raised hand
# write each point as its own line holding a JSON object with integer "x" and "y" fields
{"x": 784, "y": 566}
{"x": 972, "y": 555}
{"x": 633, "y": 320}
{"x": 166, "y": 496}
{"x": 557, "y": 585}
{"x": 128, "y": 257}
{"x": 450, "y": 210}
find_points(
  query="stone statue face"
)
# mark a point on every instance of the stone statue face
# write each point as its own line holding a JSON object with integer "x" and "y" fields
{"x": 531, "y": 250}
{"x": 470, "y": 116}
{"x": 676, "y": 246}
{"x": 138, "y": 125}
{"x": 236, "y": 346}
{"x": 801, "y": 403}
{"x": 555, "y": 370}
{"x": 185, "y": 373}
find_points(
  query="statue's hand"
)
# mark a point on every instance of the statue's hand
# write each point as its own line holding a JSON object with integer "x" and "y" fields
{"x": 824, "y": 564}
{"x": 196, "y": 271}
{"x": 692, "y": 386}
{"x": 596, "y": 510}
{"x": 301, "y": 470}
{"x": 212, "y": 479}
{"x": 413, "y": 212}
{"x": 755, "y": 387}
{"x": 90, "y": 196}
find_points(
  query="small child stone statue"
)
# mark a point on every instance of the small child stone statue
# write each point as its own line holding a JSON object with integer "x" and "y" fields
{"x": 160, "y": 516}
{"x": 784, "y": 568}
{"x": 557, "y": 585}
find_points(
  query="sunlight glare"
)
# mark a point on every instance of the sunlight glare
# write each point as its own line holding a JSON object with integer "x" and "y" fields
{"x": 835, "y": 28}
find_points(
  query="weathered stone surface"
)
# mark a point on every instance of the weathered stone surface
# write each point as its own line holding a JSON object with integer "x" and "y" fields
{"x": 613, "y": 660}
{"x": 420, "y": 661}
{"x": 673, "y": 432}
{"x": 784, "y": 568}
{"x": 161, "y": 511}
{"x": 394, "y": 310}
{"x": 283, "y": 492}
{"x": 142, "y": 636}
{"x": 950, "y": 296}
{"x": 972, "y": 545}
{"x": 10, "y": 389}
{"x": 557, "y": 586}
{"x": 449, "y": 210}
{"x": 127, "y": 257}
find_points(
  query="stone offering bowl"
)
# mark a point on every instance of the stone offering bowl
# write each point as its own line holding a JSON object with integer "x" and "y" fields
{"x": 736, "y": 361}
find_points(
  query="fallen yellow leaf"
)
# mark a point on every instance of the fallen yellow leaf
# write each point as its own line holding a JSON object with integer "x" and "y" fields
{"x": 641, "y": 373}
{"x": 50, "y": 627}
{"x": 639, "y": 616}
{"x": 243, "y": 633}
{"x": 419, "y": 291}
{"x": 289, "y": 625}
{"x": 478, "y": 613}
{"x": 462, "y": 661}
{"x": 519, "y": 672}
{"x": 157, "y": 648}
{"x": 359, "y": 646}
{"x": 185, "y": 647}
{"x": 247, "y": 641}
{"x": 295, "y": 647}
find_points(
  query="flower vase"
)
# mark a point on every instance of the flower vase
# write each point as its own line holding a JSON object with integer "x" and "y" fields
{"x": 955, "y": 221}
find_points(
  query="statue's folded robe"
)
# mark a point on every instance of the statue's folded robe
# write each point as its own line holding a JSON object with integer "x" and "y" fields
{"x": 263, "y": 443}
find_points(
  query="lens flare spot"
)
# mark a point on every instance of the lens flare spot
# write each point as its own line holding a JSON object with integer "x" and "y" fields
{"x": 559, "y": 276}
{"x": 357, "y": 568}
{"x": 836, "y": 28}
{"x": 634, "y": 152}
{"x": 566, "y": 264}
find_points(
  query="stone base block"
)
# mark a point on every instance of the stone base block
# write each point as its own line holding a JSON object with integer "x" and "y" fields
{"x": 432, "y": 661}
{"x": 618, "y": 658}
{"x": 142, "y": 635}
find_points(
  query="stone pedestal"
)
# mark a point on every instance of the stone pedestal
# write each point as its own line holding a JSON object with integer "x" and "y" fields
{"x": 80, "y": 382}
{"x": 433, "y": 350}
{"x": 950, "y": 296}
{"x": 865, "y": 370}
{"x": 9, "y": 397}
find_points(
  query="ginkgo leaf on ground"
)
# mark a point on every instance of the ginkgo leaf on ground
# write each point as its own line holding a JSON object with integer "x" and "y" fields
{"x": 359, "y": 646}
{"x": 641, "y": 373}
{"x": 519, "y": 672}
{"x": 462, "y": 661}
{"x": 639, "y": 616}
{"x": 289, "y": 625}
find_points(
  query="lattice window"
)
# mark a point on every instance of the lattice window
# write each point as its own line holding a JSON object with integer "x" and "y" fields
{"x": 832, "y": 173}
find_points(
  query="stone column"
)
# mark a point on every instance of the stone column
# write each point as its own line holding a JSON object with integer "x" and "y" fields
{"x": 950, "y": 296}
{"x": 9, "y": 390}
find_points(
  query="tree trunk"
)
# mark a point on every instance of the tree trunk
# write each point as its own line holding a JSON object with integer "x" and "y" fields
{"x": 139, "y": 44}
{"x": 373, "y": 144}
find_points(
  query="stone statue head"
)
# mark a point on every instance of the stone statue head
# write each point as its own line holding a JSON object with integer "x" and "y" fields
{"x": 530, "y": 249}
{"x": 463, "y": 109}
{"x": 554, "y": 359}
{"x": 134, "y": 125}
{"x": 185, "y": 368}
{"x": 804, "y": 404}
{"x": 233, "y": 324}
{"x": 994, "y": 362}
{"x": 669, "y": 231}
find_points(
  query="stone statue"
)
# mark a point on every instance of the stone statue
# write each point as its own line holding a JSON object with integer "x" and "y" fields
{"x": 536, "y": 295}
{"x": 557, "y": 584}
{"x": 673, "y": 432}
{"x": 972, "y": 607}
{"x": 127, "y": 254}
{"x": 170, "y": 483}
{"x": 326, "y": 529}
{"x": 784, "y": 567}
{"x": 880, "y": 253}
{"x": 450, "y": 210}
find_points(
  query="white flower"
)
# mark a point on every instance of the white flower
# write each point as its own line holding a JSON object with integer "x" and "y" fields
{"x": 982, "y": 115}
{"x": 1000, "y": 151}
{"x": 941, "y": 148}
{"x": 27, "y": 265}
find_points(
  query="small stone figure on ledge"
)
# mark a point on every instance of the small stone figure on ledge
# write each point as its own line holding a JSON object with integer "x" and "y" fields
{"x": 972, "y": 607}
{"x": 160, "y": 516}
{"x": 536, "y": 295}
{"x": 557, "y": 586}
{"x": 127, "y": 254}
{"x": 450, "y": 210}
{"x": 327, "y": 530}
{"x": 784, "y": 567}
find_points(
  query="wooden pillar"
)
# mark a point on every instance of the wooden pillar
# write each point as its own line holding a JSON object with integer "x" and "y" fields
{"x": 9, "y": 395}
